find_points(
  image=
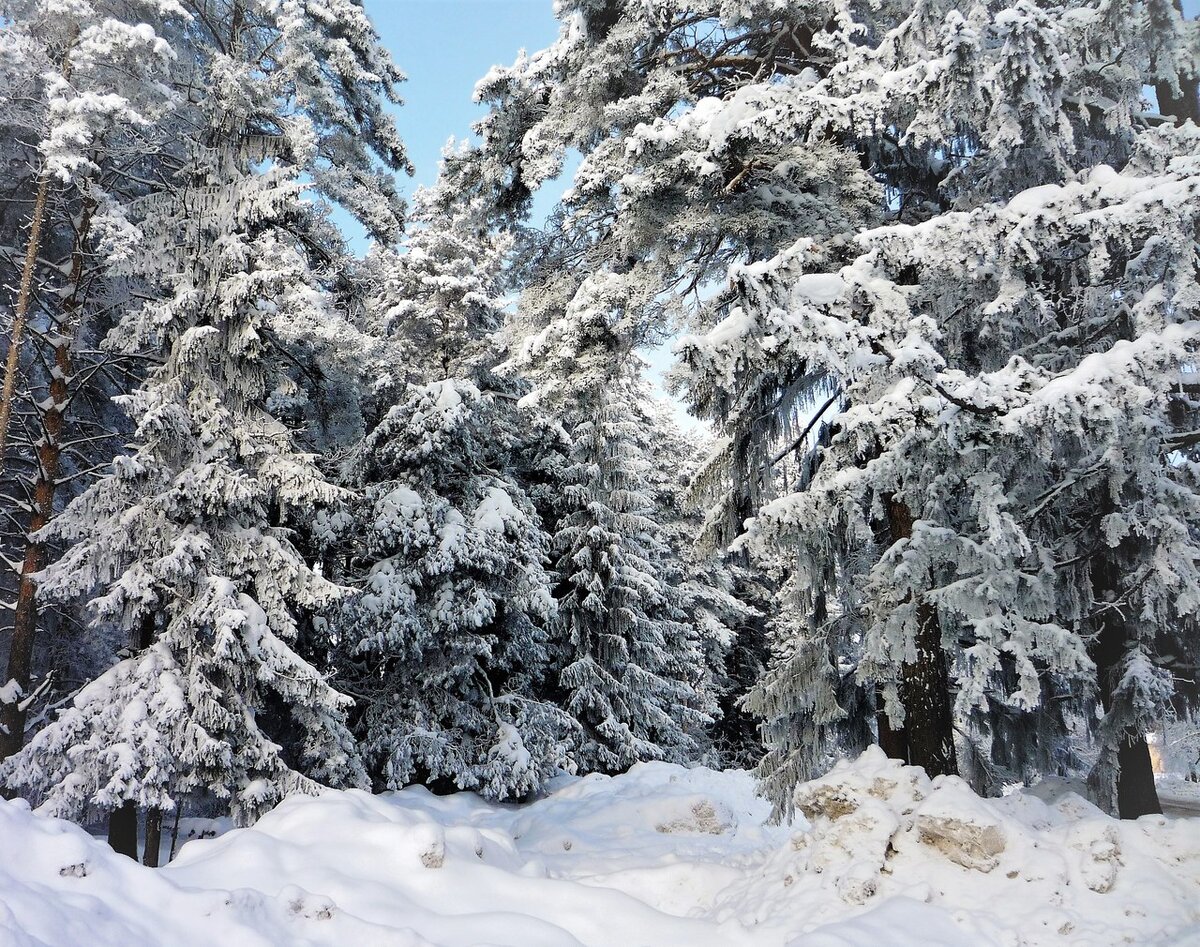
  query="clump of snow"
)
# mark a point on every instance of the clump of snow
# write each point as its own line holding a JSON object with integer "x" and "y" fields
{"x": 10, "y": 693}
{"x": 495, "y": 510}
{"x": 662, "y": 855}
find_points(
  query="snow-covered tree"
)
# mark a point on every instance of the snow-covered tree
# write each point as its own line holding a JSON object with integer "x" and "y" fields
{"x": 716, "y": 594}
{"x": 681, "y": 175}
{"x": 934, "y": 520}
{"x": 187, "y": 543}
{"x": 80, "y": 110}
{"x": 731, "y": 142}
{"x": 632, "y": 672}
{"x": 438, "y": 299}
{"x": 449, "y": 636}
{"x": 446, "y": 642}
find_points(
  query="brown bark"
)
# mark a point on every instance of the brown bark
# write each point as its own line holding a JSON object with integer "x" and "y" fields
{"x": 924, "y": 685}
{"x": 25, "y": 293}
{"x": 22, "y": 311}
{"x": 153, "y": 838}
{"x": 49, "y": 457}
{"x": 123, "y": 829}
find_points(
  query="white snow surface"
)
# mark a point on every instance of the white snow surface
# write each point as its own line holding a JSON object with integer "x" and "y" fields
{"x": 662, "y": 855}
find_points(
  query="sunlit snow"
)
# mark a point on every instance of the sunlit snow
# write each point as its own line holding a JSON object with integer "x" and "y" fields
{"x": 662, "y": 855}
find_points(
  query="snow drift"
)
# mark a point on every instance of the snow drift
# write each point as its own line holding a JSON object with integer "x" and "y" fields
{"x": 659, "y": 856}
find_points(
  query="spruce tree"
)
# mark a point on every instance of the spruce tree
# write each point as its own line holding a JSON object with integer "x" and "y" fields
{"x": 187, "y": 543}
{"x": 631, "y": 671}
{"x": 447, "y": 641}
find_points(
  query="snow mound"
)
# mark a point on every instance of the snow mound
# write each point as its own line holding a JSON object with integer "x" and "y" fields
{"x": 662, "y": 855}
{"x": 884, "y": 839}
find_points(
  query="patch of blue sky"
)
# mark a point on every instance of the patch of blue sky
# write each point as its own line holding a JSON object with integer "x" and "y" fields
{"x": 445, "y": 47}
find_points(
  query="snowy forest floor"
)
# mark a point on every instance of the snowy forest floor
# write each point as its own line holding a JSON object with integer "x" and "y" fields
{"x": 659, "y": 856}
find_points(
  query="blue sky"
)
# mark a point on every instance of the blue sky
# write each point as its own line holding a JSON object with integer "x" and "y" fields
{"x": 445, "y": 47}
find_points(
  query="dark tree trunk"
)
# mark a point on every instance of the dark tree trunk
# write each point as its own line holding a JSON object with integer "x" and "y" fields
{"x": 1186, "y": 104}
{"x": 123, "y": 830}
{"x": 25, "y": 618}
{"x": 153, "y": 838}
{"x": 925, "y": 690}
{"x": 924, "y": 684}
{"x": 1136, "y": 793}
{"x": 892, "y": 740}
{"x": 1181, "y": 107}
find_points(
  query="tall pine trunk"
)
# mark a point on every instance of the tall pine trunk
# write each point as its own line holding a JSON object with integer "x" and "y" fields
{"x": 49, "y": 464}
{"x": 24, "y": 295}
{"x": 1184, "y": 106}
{"x": 927, "y": 738}
{"x": 33, "y": 247}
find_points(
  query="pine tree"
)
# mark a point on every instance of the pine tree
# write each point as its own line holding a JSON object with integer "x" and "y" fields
{"x": 671, "y": 190}
{"x": 957, "y": 351}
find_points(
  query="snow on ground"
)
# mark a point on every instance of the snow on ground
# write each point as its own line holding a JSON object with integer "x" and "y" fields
{"x": 1179, "y": 796}
{"x": 659, "y": 856}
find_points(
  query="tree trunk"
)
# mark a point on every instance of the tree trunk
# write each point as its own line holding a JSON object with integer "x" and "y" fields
{"x": 23, "y": 296}
{"x": 20, "y": 654}
{"x": 1181, "y": 107}
{"x": 175, "y": 830}
{"x": 123, "y": 830}
{"x": 25, "y": 293}
{"x": 925, "y": 683}
{"x": 1136, "y": 793}
{"x": 153, "y": 838}
{"x": 1186, "y": 104}
{"x": 925, "y": 690}
{"x": 892, "y": 740}
{"x": 49, "y": 456}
